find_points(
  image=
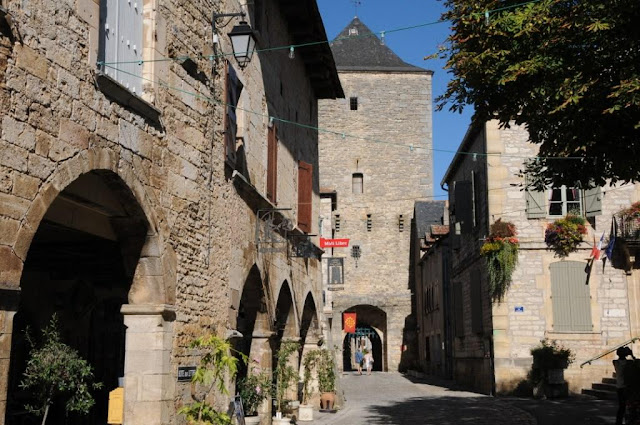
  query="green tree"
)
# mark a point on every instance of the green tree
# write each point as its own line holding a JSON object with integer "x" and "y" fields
{"x": 568, "y": 70}
{"x": 56, "y": 370}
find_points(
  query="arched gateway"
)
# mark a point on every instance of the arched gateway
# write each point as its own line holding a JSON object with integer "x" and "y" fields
{"x": 371, "y": 334}
{"x": 95, "y": 257}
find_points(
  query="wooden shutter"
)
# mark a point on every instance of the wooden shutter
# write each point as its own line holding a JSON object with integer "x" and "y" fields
{"x": 109, "y": 36}
{"x": 305, "y": 189}
{"x": 233, "y": 89}
{"x": 272, "y": 164}
{"x": 476, "y": 302}
{"x": 593, "y": 202}
{"x": 536, "y": 202}
{"x": 129, "y": 41}
{"x": 571, "y": 298}
{"x": 464, "y": 205}
{"x": 458, "y": 303}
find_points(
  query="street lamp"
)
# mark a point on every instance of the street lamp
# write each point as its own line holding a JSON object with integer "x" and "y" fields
{"x": 243, "y": 40}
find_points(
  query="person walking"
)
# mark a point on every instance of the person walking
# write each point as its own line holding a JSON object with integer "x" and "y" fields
{"x": 359, "y": 360}
{"x": 621, "y": 388}
{"x": 368, "y": 361}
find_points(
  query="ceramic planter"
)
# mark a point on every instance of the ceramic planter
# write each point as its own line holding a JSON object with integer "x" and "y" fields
{"x": 305, "y": 413}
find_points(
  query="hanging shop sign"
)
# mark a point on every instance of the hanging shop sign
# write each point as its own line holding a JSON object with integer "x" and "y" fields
{"x": 272, "y": 229}
{"x": 334, "y": 243}
{"x": 302, "y": 247}
{"x": 349, "y": 322}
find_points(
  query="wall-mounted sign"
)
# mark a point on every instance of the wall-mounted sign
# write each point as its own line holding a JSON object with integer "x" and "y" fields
{"x": 335, "y": 270}
{"x": 185, "y": 373}
{"x": 519, "y": 309}
{"x": 334, "y": 243}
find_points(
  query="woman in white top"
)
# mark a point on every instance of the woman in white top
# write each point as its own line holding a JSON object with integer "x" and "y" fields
{"x": 368, "y": 362}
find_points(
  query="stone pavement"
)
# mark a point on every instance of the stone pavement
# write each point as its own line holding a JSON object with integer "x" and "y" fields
{"x": 391, "y": 398}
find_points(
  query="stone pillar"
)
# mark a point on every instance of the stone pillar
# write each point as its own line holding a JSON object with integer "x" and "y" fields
{"x": 9, "y": 301}
{"x": 310, "y": 344}
{"x": 261, "y": 352}
{"x": 149, "y": 384}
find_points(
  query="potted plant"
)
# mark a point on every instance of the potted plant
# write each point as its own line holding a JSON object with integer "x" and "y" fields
{"x": 56, "y": 371}
{"x": 549, "y": 362}
{"x": 326, "y": 379}
{"x": 310, "y": 365}
{"x": 500, "y": 250}
{"x": 216, "y": 366}
{"x": 254, "y": 389}
{"x": 564, "y": 235}
{"x": 630, "y": 222}
{"x": 285, "y": 376}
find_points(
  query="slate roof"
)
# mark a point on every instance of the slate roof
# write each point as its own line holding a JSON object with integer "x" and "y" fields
{"x": 426, "y": 214}
{"x": 363, "y": 51}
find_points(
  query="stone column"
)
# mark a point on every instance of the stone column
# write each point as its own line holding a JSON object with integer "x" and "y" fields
{"x": 310, "y": 344}
{"x": 9, "y": 301}
{"x": 149, "y": 384}
{"x": 261, "y": 352}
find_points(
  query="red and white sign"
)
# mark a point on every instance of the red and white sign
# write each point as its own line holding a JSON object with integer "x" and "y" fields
{"x": 334, "y": 243}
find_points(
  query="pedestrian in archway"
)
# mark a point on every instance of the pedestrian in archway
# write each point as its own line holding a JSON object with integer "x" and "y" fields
{"x": 368, "y": 361}
{"x": 359, "y": 360}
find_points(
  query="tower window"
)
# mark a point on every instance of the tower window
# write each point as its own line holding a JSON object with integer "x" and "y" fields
{"x": 401, "y": 223}
{"x": 353, "y": 103}
{"x": 356, "y": 183}
{"x": 336, "y": 223}
{"x": 369, "y": 223}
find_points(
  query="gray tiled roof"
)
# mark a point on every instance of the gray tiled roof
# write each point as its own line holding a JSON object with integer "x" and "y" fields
{"x": 356, "y": 48}
{"x": 427, "y": 213}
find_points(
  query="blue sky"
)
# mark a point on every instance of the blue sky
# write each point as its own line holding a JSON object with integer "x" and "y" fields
{"x": 412, "y": 46}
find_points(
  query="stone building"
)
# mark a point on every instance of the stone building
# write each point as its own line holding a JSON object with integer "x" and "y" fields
{"x": 375, "y": 161}
{"x": 430, "y": 264}
{"x": 549, "y": 297}
{"x": 140, "y": 207}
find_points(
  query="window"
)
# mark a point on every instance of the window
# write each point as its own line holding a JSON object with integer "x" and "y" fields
{"x": 305, "y": 191}
{"x": 233, "y": 88}
{"x": 571, "y": 300}
{"x": 353, "y": 103}
{"x": 121, "y": 42}
{"x": 356, "y": 183}
{"x": 272, "y": 163}
{"x": 401, "y": 223}
{"x": 336, "y": 223}
{"x": 369, "y": 223}
{"x": 564, "y": 200}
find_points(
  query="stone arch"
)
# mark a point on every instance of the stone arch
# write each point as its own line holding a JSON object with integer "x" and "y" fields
{"x": 286, "y": 319}
{"x": 309, "y": 320}
{"x": 141, "y": 235}
{"x": 373, "y": 319}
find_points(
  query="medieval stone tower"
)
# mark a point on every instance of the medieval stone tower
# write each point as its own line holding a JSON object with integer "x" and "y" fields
{"x": 374, "y": 165}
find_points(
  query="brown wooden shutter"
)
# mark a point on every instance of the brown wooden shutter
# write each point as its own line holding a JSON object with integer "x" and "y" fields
{"x": 305, "y": 190}
{"x": 272, "y": 164}
{"x": 233, "y": 89}
{"x": 463, "y": 194}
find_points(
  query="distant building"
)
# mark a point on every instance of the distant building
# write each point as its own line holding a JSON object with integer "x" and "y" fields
{"x": 369, "y": 184}
{"x": 430, "y": 267}
{"x": 549, "y": 297}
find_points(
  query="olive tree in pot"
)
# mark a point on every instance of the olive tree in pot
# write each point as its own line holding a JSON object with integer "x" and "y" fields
{"x": 254, "y": 390}
{"x": 285, "y": 376}
{"x": 56, "y": 371}
{"x": 326, "y": 379}
{"x": 217, "y": 365}
{"x": 310, "y": 365}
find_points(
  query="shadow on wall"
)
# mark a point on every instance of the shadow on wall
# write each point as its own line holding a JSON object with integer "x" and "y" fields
{"x": 409, "y": 357}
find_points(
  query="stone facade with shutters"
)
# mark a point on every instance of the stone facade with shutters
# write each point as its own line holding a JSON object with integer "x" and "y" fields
{"x": 370, "y": 189}
{"x": 132, "y": 207}
{"x": 549, "y": 297}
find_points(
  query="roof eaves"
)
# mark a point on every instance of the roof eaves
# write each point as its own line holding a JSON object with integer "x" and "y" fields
{"x": 472, "y": 131}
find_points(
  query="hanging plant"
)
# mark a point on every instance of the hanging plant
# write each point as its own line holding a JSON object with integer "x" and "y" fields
{"x": 630, "y": 221}
{"x": 500, "y": 249}
{"x": 565, "y": 234}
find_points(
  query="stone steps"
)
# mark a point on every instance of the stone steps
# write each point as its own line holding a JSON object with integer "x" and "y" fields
{"x": 604, "y": 390}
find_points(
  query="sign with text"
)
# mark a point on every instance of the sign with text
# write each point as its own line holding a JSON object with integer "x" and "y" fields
{"x": 335, "y": 271}
{"x": 185, "y": 373}
{"x": 334, "y": 243}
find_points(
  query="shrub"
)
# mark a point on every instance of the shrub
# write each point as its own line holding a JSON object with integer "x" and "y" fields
{"x": 549, "y": 355}
{"x": 254, "y": 389}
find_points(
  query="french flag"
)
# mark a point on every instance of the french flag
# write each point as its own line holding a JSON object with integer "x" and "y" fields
{"x": 597, "y": 249}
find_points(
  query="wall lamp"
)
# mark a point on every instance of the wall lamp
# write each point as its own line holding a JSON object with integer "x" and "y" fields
{"x": 243, "y": 41}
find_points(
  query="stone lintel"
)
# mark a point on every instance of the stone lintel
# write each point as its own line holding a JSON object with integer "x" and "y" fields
{"x": 168, "y": 312}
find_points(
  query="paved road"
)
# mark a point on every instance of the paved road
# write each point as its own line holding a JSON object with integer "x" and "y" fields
{"x": 391, "y": 398}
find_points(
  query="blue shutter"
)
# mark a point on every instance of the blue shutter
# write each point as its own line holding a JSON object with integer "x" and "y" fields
{"x": 109, "y": 19}
{"x": 571, "y": 297}
{"x": 129, "y": 42}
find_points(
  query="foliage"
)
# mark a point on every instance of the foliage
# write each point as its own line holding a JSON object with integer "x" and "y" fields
{"x": 569, "y": 71}
{"x": 549, "y": 355}
{"x": 500, "y": 250}
{"x": 632, "y": 212}
{"x": 254, "y": 389}
{"x": 565, "y": 234}
{"x": 216, "y": 365}
{"x": 54, "y": 370}
{"x": 322, "y": 362}
{"x": 285, "y": 373}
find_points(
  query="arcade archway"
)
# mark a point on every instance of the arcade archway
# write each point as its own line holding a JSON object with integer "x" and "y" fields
{"x": 371, "y": 329}
{"x": 92, "y": 250}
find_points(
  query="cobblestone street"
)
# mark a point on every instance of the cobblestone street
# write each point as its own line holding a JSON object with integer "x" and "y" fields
{"x": 391, "y": 398}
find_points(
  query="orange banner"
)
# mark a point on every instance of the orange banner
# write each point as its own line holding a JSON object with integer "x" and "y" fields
{"x": 349, "y": 322}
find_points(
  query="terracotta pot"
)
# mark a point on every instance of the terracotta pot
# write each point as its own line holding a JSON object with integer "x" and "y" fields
{"x": 327, "y": 401}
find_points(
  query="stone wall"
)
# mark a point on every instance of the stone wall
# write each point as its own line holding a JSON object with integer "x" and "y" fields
{"x": 56, "y": 126}
{"x": 395, "y": 109}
